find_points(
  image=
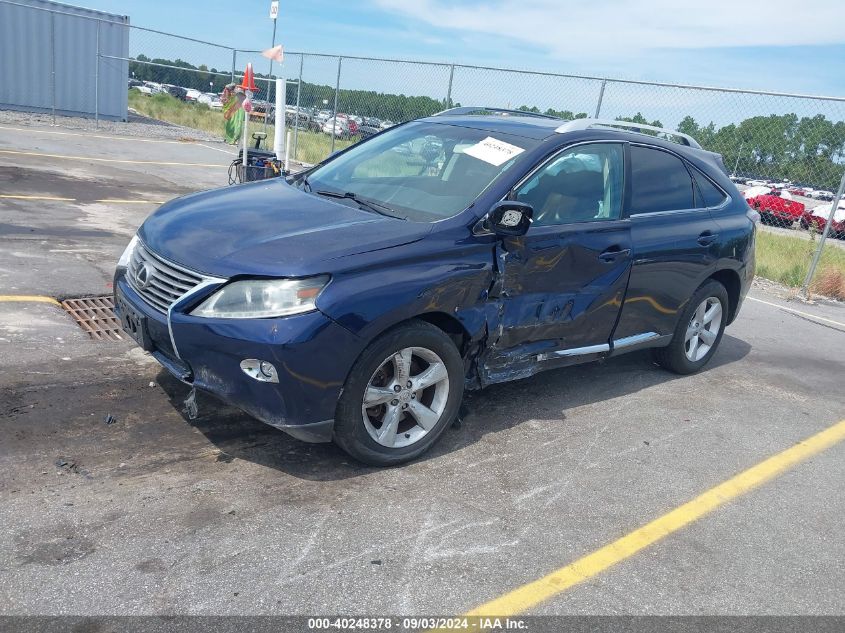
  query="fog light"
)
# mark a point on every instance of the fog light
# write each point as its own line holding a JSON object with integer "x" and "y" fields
{"x": 261, "y": 370}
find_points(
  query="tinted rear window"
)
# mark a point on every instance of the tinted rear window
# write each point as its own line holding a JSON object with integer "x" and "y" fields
{"x": 711, "y": 195}
{"x": 659, "y": 182}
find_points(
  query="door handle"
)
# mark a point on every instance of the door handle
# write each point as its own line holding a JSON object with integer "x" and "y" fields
{"x": 707, "y": 238}
{"x": 613, "y": 253}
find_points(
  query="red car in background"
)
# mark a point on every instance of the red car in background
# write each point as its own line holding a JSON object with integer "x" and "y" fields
{"x": 775, "y": 207}
{"x": 818, "y": 217}
{"x": 353, "y": 126}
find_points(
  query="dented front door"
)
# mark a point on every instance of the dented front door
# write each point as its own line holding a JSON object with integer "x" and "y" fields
{"x": 561, "y": 291}
{"x": 562, "y": 284}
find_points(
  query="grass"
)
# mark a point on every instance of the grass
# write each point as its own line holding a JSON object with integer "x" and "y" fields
{"x": 786, "y": 259}
{"x": 311, "y": 147}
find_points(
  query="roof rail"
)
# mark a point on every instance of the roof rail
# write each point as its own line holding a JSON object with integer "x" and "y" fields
{"x": 490, "y": 109}
{"x": 585, "y": 124}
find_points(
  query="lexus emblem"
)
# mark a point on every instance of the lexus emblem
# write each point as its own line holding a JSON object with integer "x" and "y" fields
{"x": 144, "y": 276}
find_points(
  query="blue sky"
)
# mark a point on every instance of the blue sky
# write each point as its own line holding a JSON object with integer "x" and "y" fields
{"x": 762, "y": 44}
{"x": 766, "y": 45}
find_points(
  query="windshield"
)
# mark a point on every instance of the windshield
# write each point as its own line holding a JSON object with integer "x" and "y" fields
{"x": 421, "y": 171}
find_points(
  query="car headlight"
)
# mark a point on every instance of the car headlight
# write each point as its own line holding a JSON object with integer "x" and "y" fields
{"x": 123, "y": 262}
{"x": 261, "y": 298}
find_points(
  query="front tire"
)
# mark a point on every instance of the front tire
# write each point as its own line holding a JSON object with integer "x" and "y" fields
{"x": 699, "y": 331}
{"x": 401, "y": 395}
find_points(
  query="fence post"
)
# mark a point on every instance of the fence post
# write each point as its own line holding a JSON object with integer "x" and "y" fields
{"x": 738, "y": 155}
{"x": 449, "y": 91}
{"x": 270, "y": 79}
{"x": 97, "y": 82}
{"x": 601, "y": 98}
{"x": 267, "y": 99}
{"x": 805, "y": 289}
{"x": 53, "y": 63}
{"x": 298, "y": 94}
{"x": 234, "y": 61}
{"x": 336, "y": 90}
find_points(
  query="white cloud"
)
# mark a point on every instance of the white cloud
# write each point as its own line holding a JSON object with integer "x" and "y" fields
{"x": 605, "y": 28}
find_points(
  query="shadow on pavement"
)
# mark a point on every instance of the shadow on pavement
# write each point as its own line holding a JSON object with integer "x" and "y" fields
{"x": 548, "y": 395}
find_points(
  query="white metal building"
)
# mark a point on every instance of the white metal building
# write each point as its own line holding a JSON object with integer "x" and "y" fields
{"x": 59, "y": 58}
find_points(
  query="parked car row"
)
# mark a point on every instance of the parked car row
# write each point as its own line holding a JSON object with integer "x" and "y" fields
{"x": 189, "y": 95}
{"x": 778, "y": 208}
{"x": 795, "y": 189}
{"x": 345, "y": 125}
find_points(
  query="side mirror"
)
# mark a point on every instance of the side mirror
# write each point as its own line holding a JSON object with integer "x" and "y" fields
{"x": 511, "y": 218}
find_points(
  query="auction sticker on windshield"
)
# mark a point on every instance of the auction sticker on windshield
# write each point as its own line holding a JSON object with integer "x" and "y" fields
{"x": 493, "y": 151}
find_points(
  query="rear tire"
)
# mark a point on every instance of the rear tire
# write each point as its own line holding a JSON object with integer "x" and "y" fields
{"x": 697, "y": 335}
{"x": 401, "y": 421}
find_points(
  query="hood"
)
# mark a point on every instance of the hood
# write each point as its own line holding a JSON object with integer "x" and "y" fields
{"x": 268, "y": 228}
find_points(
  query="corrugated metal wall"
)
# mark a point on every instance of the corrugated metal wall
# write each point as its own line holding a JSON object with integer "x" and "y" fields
{"x": 38, "y": 37}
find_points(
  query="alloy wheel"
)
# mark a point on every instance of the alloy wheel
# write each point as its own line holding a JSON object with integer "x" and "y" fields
{"x": 703, "y": 329}
{"x": 405, "y": 397}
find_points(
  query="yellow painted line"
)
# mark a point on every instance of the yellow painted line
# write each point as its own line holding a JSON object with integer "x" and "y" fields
{"x": 798, "y": 312}
{"x": 109, "y": 160}
{"x": 28, "y": 299}
{"x": 131, "y": 201}
{"x": 530, "y": 595}
{"x": 12, "y": 196}
{"x": 134, "y": 139}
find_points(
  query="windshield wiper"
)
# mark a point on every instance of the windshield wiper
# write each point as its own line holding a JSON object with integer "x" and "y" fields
{"x": 366, "y": 203}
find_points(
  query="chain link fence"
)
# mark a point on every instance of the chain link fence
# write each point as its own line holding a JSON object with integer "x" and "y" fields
{"x": 786, "y": 152}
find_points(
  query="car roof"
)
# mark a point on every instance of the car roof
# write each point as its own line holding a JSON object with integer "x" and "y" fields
{"x": 542, "y": 127}
{"x": 526, "y": 126}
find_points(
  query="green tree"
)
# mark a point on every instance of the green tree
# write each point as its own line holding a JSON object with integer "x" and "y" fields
{"x": 639, "y": 118}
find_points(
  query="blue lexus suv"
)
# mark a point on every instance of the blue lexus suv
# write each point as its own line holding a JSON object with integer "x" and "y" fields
{"x": 356, "y": 301}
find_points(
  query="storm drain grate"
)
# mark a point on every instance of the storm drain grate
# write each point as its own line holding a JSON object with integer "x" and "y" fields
{"x": 96, "y": 316}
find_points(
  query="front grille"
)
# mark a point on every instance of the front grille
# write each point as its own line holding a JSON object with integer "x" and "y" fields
{"x": 159, "y": 282}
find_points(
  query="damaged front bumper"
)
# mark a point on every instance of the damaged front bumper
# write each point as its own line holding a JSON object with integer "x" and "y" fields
{"x": 311, "y": 356}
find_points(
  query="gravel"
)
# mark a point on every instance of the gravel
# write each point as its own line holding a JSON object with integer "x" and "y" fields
{"x": 136, "y": 126}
